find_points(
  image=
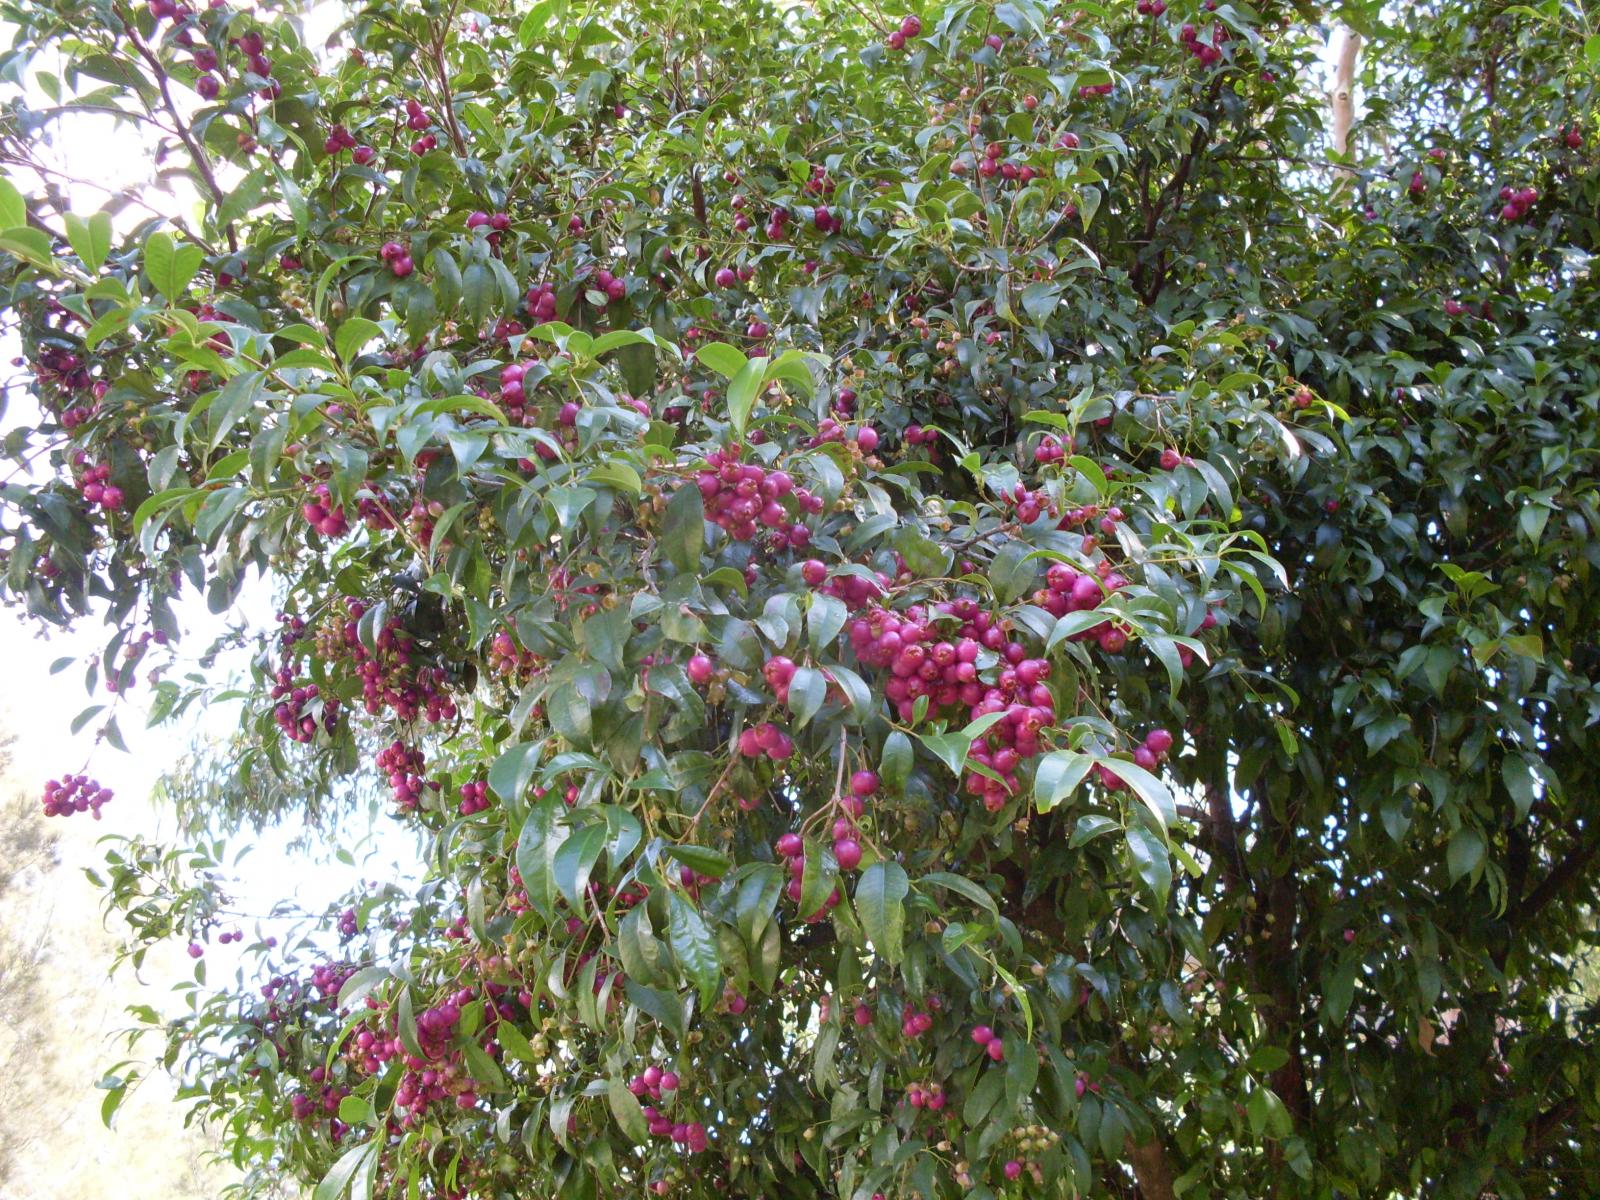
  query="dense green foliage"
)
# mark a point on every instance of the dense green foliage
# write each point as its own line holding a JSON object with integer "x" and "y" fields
{"x": 1148, "y": 577}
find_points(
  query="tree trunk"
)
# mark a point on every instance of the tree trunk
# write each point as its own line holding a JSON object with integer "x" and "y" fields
{"x": 1149, "y": 1160}
{"x": 1343, "y": 97}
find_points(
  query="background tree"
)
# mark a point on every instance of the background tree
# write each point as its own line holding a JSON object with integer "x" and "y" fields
{"x": 27, "y": 852}
{"x": 59, "y": 1013}
{"x": 949, "y": 617}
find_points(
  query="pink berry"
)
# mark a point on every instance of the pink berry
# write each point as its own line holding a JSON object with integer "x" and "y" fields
{"x": 982, "y": 1035}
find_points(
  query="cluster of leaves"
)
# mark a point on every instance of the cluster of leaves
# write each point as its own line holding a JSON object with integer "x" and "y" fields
{"x": 1034, "y": 336}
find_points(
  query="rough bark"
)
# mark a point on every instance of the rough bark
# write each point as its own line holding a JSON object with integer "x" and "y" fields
{"x": 1150, "y": 1168}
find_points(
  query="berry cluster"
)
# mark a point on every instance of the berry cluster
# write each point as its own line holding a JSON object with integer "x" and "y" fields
{"x": 910, "y": 27}
{"x": 323, "y": 514}
{"x": 514, "y": 397}
{"x": 652, "y": 1082}
{"x": 328, "y": 978}
{"x": 253, "y": 46}
{"x": 74, "y": 794}
{"x": 390, "y": 676}
{"x": 1208, "y": 54}
{"x": 340, "y": 139}
{"x": 1029, "y": 505}
{"x": 1090, "y": 90}
{"x": 830, "y": 430}
{"x": 914, "y": 1022}
{"x": 777, "y": 224}
{"x": 542, "y": 301}
{"x": 989, "y": 1042}
{"x": 989, "y": 166}
{"x": 792, "y": 848}
{"x": 94, "y": 485}
{"x": 744, "y": 498}
{"x": 931, "y": 1096}
{"x": 1148, "y": 755}
{"x": 691, "y": 1135}
{"x": 507, "y": 658}
{"x": 607, "y": 287}
{"x": 1516, "y": 202}
{"x": 394, "y": 256}
{"x": 417, "y": 120}
{"x": 855, "y": 590}
{"x": 439, "y": 1072}
{"x": 291, "y": 712}
{"x": 62, "y": 368}
{"x": 404, "y": 766}
{"x": 474, "y": 798}
{"x": 1150, "y": 8}
{"x": 306, "y": 1108}
{"x": 765, "y": 739}
{"x": 498, "y": 223}
{"x": 1052, "y": 450}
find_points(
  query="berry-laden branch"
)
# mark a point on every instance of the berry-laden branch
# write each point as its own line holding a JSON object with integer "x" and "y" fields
{"x": 197, "y": 154}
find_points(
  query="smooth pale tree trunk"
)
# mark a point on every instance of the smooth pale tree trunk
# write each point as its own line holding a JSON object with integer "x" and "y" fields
{"x": 1343, "y": 99}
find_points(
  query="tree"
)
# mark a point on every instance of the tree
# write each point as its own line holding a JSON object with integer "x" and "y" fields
{"x": 27, "y": 852}
{"x": 58, "y": 1017}
{"x": 951, "y": 617}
